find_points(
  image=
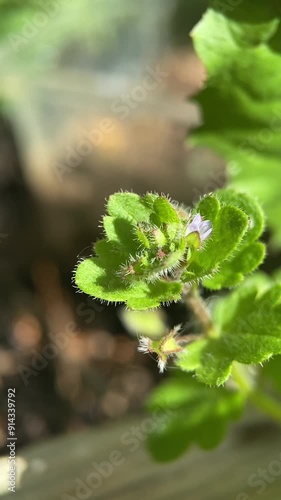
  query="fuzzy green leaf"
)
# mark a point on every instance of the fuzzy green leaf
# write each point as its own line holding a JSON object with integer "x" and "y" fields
{"x": 97, "y": 277}
{"x": 165, "y": 211}
{"x": 233, "y": 271}
{"x": 248, "y": 255}
{"x": 121, "y": 232}
{"x": 151, "y": 295}
{"x": 209, "y": 207}
{"x": 250, "y": 207}
{"x": 192, "y": 413}
{"x": 128, "y": 206}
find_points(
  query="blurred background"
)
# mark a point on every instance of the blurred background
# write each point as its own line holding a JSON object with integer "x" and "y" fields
{"x": 95, "y": 96}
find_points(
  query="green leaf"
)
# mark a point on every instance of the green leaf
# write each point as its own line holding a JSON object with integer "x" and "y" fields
{"x": 248, "y": 322}
{"x": 121, "y": 232}
{"x": 250, "y": 207}
{"x": 190, "y": 359}
{"x": 191, "y": 413}
{"x": 241, "y": 103}
{"x": 233, "y": 271}
{"x": 146, "y": 296}
{"x": 248, "y": 255}
{"x": 98, "y": 277}
{"x": 128, "y": 206}
{"x": 209, "y": 207}
{"x": 165, "y": 211}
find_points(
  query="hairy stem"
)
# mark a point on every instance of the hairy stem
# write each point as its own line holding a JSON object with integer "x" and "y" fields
{"x": 199, "y": 309}
{"x": 260, "y": 400}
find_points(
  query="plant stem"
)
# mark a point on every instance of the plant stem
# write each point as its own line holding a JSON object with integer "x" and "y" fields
{"x": 262, "y": 401}
{"x": 200, "y": 311}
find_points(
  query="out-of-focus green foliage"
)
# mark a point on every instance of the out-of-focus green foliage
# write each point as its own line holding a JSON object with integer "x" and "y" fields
{"x": 240, "y": 46}
{"x": 35, "y": 34}
{"x": 152, "y": 324}
{"x": 191, "y": 413}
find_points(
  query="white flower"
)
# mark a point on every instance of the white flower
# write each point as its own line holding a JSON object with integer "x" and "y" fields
{"x": 198, "y": 225}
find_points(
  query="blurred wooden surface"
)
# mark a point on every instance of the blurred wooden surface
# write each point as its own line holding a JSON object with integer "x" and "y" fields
{"x": 231, "y": 472}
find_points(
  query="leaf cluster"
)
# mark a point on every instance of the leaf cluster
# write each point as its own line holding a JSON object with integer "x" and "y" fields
{"x": 147, "y": 255}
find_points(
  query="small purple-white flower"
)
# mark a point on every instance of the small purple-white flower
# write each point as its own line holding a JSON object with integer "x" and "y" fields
{"x": 202, "y": 227}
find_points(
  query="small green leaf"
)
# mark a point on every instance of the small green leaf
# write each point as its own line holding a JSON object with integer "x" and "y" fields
{"x": 158, "y": 237}
{"x": 165, "y": 211}
{"x": 209, "y": 207}
{"x": 128, "y": 206}
{"x": 121, "y": 231}
{"x": 248, "y": 254}
{"x": 142, "y": 237}
{"x": 190, "y": 413}
{"x": 250, "y": 207}
{"x": 233, "y": 271}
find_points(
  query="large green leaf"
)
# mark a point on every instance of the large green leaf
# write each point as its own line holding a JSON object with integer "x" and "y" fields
{"x": 98, "y": 277}
{"x": 240, "y": 46}
{"x": 248, "y": 322}
{"x": 190, "y": 413}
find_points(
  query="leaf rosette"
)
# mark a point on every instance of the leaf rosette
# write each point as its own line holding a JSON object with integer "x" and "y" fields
{"x": 153, "y": 246}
